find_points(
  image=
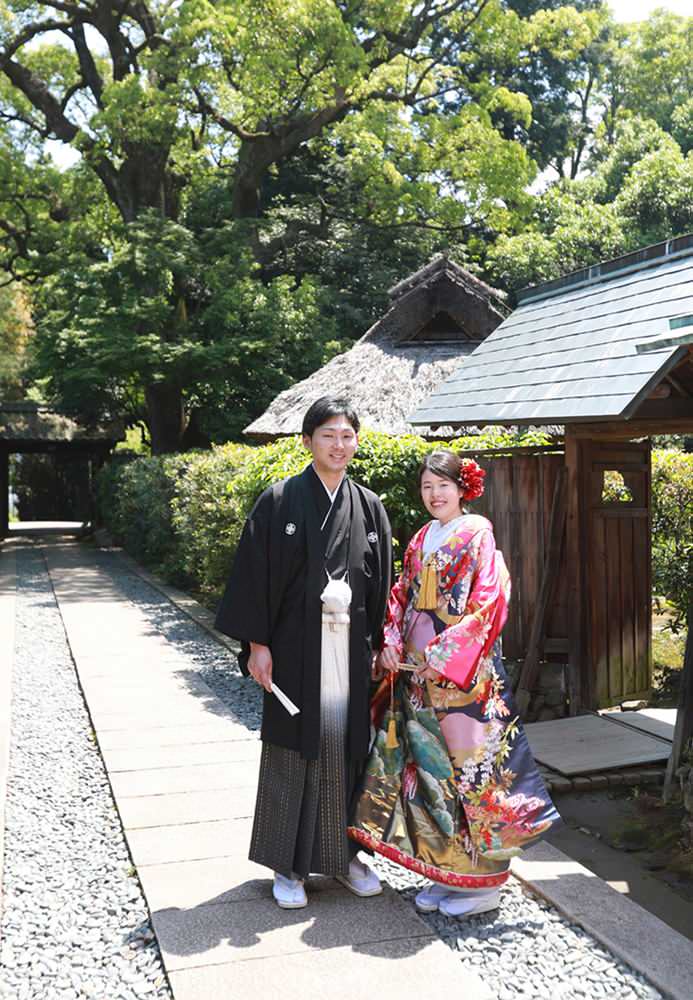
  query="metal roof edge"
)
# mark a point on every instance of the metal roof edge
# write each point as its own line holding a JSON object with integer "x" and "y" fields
{"x": 638, "y": 260}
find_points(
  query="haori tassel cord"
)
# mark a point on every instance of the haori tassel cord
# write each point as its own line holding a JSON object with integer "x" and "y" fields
{"x": 391, "y": 741}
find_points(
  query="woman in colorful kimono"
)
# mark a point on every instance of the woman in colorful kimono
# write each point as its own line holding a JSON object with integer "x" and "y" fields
{"x": 450, "y": 789}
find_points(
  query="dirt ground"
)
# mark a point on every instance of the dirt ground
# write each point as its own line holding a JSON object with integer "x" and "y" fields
{"x": 631, "y": 841}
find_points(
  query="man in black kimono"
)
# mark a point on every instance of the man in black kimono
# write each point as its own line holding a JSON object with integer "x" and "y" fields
{"x": 303, "y": 628}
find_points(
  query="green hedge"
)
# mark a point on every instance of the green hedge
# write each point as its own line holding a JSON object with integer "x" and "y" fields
{"x": 182, "y": 514}
{"x": 672, "y": 528}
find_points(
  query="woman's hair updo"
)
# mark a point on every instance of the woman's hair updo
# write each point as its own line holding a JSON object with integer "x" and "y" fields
{"x": 464, "y": 472}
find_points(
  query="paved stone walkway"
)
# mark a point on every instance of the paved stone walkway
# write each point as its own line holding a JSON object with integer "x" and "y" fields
{"x": 183, "y": 766}
{"x": 183, "y": 774}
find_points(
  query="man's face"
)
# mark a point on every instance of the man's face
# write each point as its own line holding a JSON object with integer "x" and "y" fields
{"x": 332, "y": 445}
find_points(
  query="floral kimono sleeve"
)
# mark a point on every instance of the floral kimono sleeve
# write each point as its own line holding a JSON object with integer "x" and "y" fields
{"x": 457, "y": 651}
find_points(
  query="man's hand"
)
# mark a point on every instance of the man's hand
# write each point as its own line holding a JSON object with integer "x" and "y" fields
{"x": 377, "y": 672}
{"x": 388, "y": 659}
{"x": 260, "y": 665}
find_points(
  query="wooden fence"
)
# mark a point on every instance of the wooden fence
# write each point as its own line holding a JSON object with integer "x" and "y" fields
{"x": 517, "y": 499}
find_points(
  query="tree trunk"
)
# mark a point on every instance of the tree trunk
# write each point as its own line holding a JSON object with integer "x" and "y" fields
{"x": 683, "y": 731}
{"x": 165, "y": 416}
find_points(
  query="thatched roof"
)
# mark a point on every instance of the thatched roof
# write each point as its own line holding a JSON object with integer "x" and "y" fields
{"x": 32, "y": 424}
{"x": 437, "y": 316}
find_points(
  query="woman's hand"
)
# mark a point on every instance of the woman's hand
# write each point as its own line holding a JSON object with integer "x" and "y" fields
{"x": 388, "y": 659}
{"x": 428, "y": 674}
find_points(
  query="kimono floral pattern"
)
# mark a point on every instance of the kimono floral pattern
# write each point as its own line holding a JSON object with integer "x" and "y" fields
{"x": 451, "y": 789}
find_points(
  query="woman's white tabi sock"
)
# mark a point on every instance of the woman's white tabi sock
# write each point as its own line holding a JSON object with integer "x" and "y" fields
{"x": 456, "y": 905}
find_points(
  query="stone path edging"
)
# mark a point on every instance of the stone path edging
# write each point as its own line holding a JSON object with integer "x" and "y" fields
{"x": 633, "y": 934}
{"x": 8, "y": 588}
{"x": 630, "y": 932}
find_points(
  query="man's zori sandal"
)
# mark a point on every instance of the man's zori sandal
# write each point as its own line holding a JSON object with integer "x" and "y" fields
{"x": 289, "y": 893}
{"x": 361, "y": 880}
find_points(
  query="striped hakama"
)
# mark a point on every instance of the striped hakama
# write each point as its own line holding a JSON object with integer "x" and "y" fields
{"x": 302, "y": 805}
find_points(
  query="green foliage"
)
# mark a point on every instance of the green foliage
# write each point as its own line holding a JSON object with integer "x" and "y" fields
{"x": 672, "y": 529}
{"x": 204, "y": 514}
{"x": 655, "y": 66}
{"x": 135, "y": 497}
{"x": 15, "y": 333}
{"x": 251, "y": 177}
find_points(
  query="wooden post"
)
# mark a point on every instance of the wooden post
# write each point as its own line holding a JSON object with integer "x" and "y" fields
{"x": 683, "y": 731}
{"x": 575, "y": 557}
{"x": 4, "y": 492}
{"x": 552, "y": 562}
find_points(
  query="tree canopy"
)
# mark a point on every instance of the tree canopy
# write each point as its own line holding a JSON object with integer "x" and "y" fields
{"x": 248, "y": 177}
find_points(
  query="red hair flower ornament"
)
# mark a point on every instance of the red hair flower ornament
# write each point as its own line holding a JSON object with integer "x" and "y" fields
{"x": 471, "y": 479}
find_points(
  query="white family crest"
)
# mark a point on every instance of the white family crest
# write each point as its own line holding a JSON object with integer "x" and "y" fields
{"x": 290, "y": 528}
{"x": 372, "y": 536}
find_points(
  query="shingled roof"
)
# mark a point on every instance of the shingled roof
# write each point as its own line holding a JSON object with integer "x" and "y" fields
{"x": 437, "y": 316}
{"x": 593, "y": 345}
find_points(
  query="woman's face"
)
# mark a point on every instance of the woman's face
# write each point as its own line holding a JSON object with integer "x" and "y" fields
{"x": 441, "y": 496}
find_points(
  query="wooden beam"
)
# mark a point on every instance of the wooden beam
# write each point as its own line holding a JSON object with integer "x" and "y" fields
{"x": 679, "y": 386}
{"x": 661, "y": 391}
{"x": 665, "y": 409}
{"x": 575, "y": 551}
{"x": 549, "y": 578}
{"x": 629, "y": 430}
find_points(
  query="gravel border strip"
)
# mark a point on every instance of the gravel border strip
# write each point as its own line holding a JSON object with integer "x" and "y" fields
{"x": 8, "y": 600}
{"x": 75, "y": 923}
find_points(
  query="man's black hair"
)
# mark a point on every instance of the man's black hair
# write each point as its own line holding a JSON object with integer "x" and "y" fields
{"x": 324, "y": 409}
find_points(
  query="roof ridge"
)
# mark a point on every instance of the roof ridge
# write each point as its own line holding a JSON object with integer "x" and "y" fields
{"x": 441, "y": 263}
{"x": 635, "y": 260}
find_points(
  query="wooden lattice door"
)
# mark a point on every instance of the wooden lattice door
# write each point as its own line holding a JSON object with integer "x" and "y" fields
{"x": 618, "y": 579}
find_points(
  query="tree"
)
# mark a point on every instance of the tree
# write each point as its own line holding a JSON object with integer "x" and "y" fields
{"x": 15, "y": 332}
{"x": 162, "y": 102}
{"x": 640, "y": 193}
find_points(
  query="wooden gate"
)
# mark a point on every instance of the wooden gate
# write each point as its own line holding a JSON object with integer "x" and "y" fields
{"x": 517, "y": 499}
{"x": 618, "y": 579}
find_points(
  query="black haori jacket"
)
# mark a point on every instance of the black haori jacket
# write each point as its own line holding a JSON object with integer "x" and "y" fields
{"x": 273, "y": 597}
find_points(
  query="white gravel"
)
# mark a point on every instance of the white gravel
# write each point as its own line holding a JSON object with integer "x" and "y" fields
{"x": 75, "y": 924}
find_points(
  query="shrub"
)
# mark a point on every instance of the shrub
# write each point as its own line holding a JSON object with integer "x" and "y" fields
{"x": 672, "y": 529}
{"x": 204, "y": 515}
{"x": 135, "y": 499}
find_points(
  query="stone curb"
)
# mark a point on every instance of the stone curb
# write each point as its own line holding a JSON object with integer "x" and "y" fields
{"x": 8, "y": 590}
{"x": 558, "y": 784}
{"x": 634, "y": 935}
